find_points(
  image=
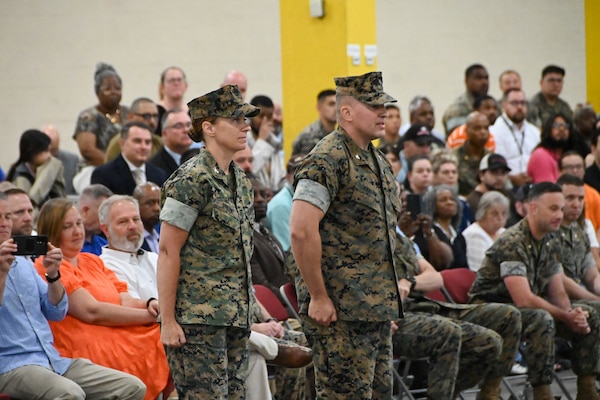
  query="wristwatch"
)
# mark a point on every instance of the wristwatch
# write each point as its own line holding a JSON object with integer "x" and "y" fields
{"x": 412, "y": 280}
{"x": 52, "y": 280}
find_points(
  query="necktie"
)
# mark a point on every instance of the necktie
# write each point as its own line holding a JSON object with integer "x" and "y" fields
{"x": 137, "y": 176}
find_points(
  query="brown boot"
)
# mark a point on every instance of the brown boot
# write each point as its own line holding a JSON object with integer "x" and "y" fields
{"x": 542, "y": 392}
{"x": 490, "y": 388}
{"x": 586, "y": 388}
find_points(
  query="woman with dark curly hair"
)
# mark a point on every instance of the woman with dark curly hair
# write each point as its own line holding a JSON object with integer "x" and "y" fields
{"x": 557, "y": 137}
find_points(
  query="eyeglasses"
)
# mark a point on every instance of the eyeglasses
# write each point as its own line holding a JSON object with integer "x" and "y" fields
{"x": 558, "y": 125}
{"x": 180, "y": 125}
{"x": 574, "y": 167}
{"x": 175, "y": 80}
{"x": 147, "y": 116}
{"x": 516, "y": 103}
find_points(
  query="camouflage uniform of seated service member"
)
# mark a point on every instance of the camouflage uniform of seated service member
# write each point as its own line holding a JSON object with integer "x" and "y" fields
{"x": 464, "y": 343}
{"x": 528, "y": 253}
{"x": 204, "y": 276}
{"x": 343, "y": 232}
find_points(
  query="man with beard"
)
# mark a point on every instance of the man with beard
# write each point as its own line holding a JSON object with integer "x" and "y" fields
{"x": 515, "y": 137}
{"x": 121, "y": 223}
{"x": 493, "y": 175}
{"x": 21, "y": 212}
{"x": 148, "y": 196}
{"x": 472, "y": 151}
{"x": 477, "y": 84}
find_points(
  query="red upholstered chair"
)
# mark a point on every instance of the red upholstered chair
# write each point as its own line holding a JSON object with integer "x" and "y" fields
{"x": 288, "y": 292}
{"x": 458, "y": 282}
{"x": 268, "y": 299}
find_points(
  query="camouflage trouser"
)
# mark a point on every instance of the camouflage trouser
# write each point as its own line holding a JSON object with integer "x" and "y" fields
{"x": 539, "y": 329}
{"x": 212, "y": 364}
{"x": 504, "y": 319}
{"x": 290, "y": 383}
{"x": 459, "y": 352}
{"x": 353, "y": 360}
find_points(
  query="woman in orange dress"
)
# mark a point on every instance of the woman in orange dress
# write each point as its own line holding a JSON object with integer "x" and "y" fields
{"x": 104, "y": 323}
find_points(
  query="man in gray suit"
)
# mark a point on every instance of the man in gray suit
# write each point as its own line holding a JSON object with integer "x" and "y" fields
{"x": 70, "y": 160}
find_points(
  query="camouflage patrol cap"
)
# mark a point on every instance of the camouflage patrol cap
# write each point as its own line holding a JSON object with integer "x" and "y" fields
{"x": 225, "y": 102}
{"x": 367, "y": 88}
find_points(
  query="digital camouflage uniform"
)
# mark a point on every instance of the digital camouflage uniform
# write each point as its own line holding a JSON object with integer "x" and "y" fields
{"x": 539, "y": 110}
{"x": 213, "y": 290}
{"x": 456, "y": 113}
{"x": 517, "y": 253}
{"x": 468, "y": 170}
{"x": 463, "y": 342}
{"x": 308, "y": 138}
{"x": 355, "y": 189}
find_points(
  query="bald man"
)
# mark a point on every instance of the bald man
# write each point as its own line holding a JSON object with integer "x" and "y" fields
{"x": 234, "y": 77}
{"x": 70, "y": 160}
{"x": 472, "y": 151}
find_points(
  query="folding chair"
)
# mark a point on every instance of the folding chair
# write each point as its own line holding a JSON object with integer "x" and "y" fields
{"x": 268, "y": 299}
{"x": 288, "y": 292}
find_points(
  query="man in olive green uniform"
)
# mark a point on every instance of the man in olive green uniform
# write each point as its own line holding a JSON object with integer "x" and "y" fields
{"x": 469, "y": 155}
{"x": 343, "y": 235}
{"x": 523, "y": 267}
{"x": 464, "y": 343}
{"x": 204, "y": 275}
{"x": 547, "y": 102}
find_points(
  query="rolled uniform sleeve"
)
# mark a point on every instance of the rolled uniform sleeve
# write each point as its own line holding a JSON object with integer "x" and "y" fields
{"x": 513, "y": 268}
{"x": 178, "y": 214}
{"x": 313, "y": 193}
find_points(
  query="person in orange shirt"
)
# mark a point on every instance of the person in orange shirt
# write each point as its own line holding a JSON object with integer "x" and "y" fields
{"x": 487, "y": 106}
{"x": 104, "y": 323}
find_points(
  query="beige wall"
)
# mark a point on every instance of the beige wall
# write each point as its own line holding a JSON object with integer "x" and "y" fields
{"x": 50, "y": 48}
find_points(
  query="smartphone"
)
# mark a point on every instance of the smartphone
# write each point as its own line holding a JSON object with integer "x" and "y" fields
{"x": 31, "y": 245}
{"x": 413, "y": 205}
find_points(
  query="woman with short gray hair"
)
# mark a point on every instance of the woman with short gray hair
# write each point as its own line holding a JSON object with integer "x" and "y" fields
{"x": 490, "y": 220}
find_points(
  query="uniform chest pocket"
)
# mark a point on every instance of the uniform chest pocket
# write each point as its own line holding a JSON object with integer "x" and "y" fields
{"x": 226, "y": 214}
{"x": 368, "y": 196}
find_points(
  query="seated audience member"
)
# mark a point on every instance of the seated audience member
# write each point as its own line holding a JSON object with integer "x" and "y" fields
{"x": 572, "y": 163}
{"x": 171, "y": 90}
{"x": 21, "y": 212}
{"x": 280, "y": 206}
{"x": 582, "y": 280}
{"x": 69, "y": 160}
{"x": 515, "y": 137}
{"x": 557, "y": 137}
{"x": 176, "y": 141}
{"x": 419, "y": 177}
{"x": 421, "y": 112}
{"x": 445, "y": 172}
{"x": 120, "y": 221}
{"x": 547, "y": 101}
{"x": 268, "y": 257}
{"x": 131, "y": 167}
{"x": 476, "y": 85}
{"x": 392, "y": 154}
{"x": 443, "y": 205}
{"x": 104, "y": 323}
{"x": 266, "y": 148}
{"x": 509, "y": 79}
{"x": 463, "y": 344}
{"x": 493, "y": 175}
{"x": 471, "y": 152}
{"x": 144, "y": 111}
{"x": 523, "y": 268}
{"x": 592, "y": 172}
{"x": 393, "y": 121}
{"x": 485, "y": 105}
{"x": 317, "y": 130}
{"x": 36, "y": 171}
{"x": 148, "y": 197}
{"x": 521, "y": 205}
{"x": 490, "y": 219}
{"x": 584, "y": 119}
{"x": 415, "y": 142}
{"x": 244, "y": 159}
{"x": 88, "y": 203}
{"x": 98, "y": 124}
{"x": 31, "y": 366}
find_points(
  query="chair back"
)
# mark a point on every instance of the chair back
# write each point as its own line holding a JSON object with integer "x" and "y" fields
{"x": 288, "y": 292}
{"x": 458, "y": 282}
{"x": 268, "y": 299}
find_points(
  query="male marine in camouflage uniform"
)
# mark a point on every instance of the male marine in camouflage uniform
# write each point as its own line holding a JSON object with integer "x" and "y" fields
{"x": 463, "y": 342}
{"x": 204, "y": 275}
{"x": 343, "y": 234}
{"x": 523, "y": 267}
{"x": 469, "y": 155}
